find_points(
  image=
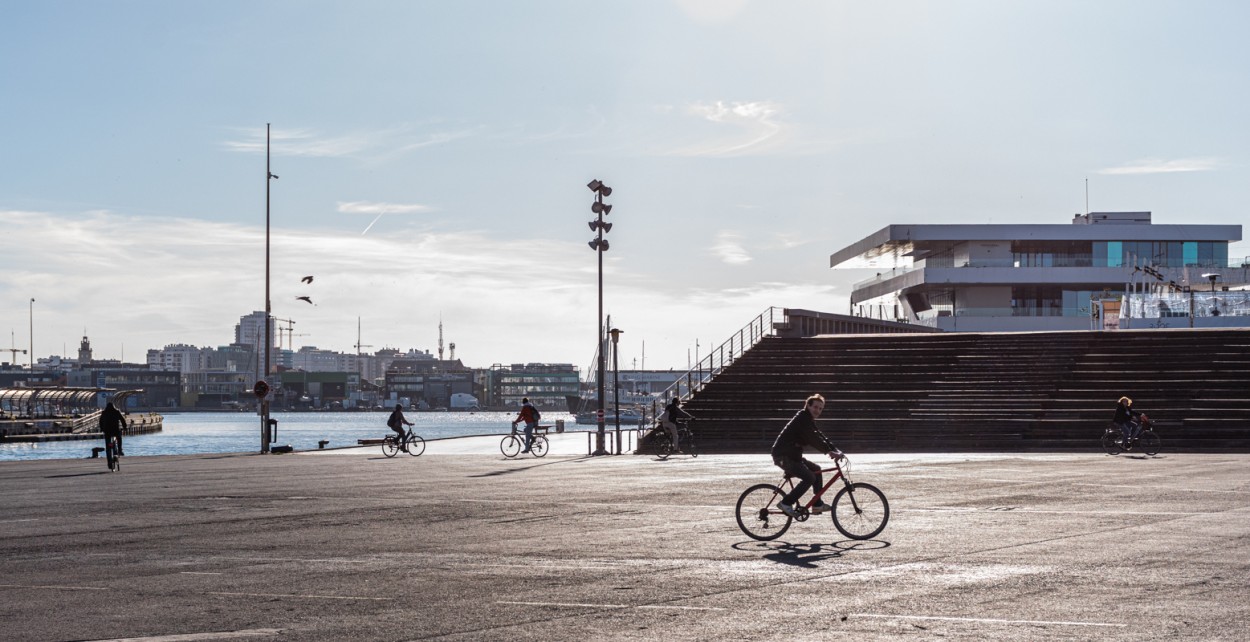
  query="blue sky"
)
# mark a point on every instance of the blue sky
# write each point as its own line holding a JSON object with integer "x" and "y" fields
{"x": 434, "y": 155}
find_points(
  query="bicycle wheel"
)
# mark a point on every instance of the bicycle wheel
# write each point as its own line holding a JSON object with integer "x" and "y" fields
{"x": 690, "y": 448}
{"x": 1109, "y": 444}
{"x": 1149, "y": 442}
{"x": 389, "y": 447}
{"x": 663, "y": 446}
{"x": 860, "y": 511}
{"x": 415, "y": 445}
{"x": 758, "y": 515}
{"x": 110, "y": 453}
{"x": 539, "y": 447}
{"x": 510, "y": 446}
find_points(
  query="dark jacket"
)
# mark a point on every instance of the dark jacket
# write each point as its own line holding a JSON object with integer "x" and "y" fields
{"x": 675, "y": 412}
{"x": 1125, "y": 414}
{"x": 801, "y": 431}
{"x": 111, "y": 420}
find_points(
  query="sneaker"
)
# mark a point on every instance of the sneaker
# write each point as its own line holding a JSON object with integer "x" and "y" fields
{"x": 525, "y": 451}
{"x": 820, "y": 507}
{"x": 786, "y": 508}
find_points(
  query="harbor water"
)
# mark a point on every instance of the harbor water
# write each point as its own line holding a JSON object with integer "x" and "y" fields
{"x": 232, "y": 432}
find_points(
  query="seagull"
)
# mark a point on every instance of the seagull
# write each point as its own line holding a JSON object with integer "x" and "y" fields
{"x": 305, "y": 299}
{"x": 307, "y": 279}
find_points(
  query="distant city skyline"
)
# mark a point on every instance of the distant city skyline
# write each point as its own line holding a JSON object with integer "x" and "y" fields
{"x": 434, "y": 157}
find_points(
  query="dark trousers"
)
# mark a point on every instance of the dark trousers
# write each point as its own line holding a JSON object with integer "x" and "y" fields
{"x": 399, "y": 430}
{"x": 118, "y": 435}
{"x": 808, "y": 474}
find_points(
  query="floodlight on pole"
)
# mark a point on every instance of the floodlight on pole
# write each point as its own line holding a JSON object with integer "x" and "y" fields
{"x": 600, "y": 245}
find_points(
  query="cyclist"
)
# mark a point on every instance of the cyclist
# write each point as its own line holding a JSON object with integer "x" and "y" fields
{"x": 112, "y": 421}
{"x": 788, "y": 453}
{"x": 529, "y": 415}
{"x": 396, "y": 422}
{"x": 1126, "y": 418}
{"x": 668, "y": 419}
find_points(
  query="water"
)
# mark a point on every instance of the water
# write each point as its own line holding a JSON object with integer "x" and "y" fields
{"x": 202, "y": 433}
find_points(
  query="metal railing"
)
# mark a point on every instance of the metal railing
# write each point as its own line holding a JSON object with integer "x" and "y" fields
{"x": 763, "y": 325}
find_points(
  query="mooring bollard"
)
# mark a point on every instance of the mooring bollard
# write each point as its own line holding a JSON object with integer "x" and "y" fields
{"x": 322, "y": 443}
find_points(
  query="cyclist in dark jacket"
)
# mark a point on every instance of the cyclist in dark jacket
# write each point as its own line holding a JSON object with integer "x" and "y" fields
{"x": 788, "y": 453}
{"x": 397, "y": 421}
{"x": 1125, "y": 417}
{"x": 111, "y": 424}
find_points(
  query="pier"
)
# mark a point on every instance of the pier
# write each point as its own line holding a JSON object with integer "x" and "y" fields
{"x": 65, "y": 414}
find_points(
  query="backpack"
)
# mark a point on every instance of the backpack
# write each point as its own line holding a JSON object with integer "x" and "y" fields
{"x": 537, "y": 415}
{"x": 392, "y": 422}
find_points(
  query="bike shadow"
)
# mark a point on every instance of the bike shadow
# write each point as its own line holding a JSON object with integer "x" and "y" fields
{"x": 807, "y": 555}
{"x": 521, "y": 469}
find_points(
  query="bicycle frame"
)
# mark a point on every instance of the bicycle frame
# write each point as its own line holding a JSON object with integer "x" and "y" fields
{"x": 787, "y": 484}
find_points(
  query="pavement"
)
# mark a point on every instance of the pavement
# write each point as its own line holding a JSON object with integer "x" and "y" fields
{"x": 348, "y": 544}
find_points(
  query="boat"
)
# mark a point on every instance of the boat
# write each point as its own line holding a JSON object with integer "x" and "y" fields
{"x": 627, "y": 416}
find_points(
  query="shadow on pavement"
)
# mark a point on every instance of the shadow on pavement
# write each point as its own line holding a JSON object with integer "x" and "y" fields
{"x": 806, "y": 555}
{"x": 506, "y": 471}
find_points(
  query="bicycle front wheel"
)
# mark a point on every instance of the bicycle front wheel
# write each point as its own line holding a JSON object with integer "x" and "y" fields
{"x": 389, "y": 447}
{"x": 1109, "y": 444}
{"x": 663, "y": 447}
{"x": 539, "y": 447}
{"x": 758, "y": 514}
{"x": 415, "y": 445}
{"x": 510, "y": 446}
{"x": 1149, "y": 441}
{"x": 860, "y": 511}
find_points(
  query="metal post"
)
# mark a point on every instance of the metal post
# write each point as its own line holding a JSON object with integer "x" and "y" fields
{"x": 32, "y": 337}
{"x": 599, "y": 434}
{"x": 264, "y": 401}
{"x": 616, "y": 386}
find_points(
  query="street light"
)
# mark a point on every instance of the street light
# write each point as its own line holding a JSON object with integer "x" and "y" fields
{"x": 600, "y": 245}
{"x": 264, "y": 396}
{"x": 1212, "y": 276}
{"x": 32, "y": 337}
{"x": 616, "y": 385}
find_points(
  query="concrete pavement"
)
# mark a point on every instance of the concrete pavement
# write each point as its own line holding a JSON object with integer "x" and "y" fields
{"x": 569, "y": 547}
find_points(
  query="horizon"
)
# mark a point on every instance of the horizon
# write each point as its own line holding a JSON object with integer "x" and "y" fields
{"x": 433, "y": 158}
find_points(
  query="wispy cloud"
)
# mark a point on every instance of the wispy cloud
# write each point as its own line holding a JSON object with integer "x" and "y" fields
{"x": 728, "y": 248}
{"x": 735, "y": 128}
{"x": 310, "y": 143}
{"x": 1160, "y": 166}
{"x": 176, "y": 280}
{"x": 381, "y": 209}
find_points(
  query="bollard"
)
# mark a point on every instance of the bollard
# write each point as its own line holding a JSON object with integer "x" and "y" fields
{"x": 559, "y": 425}
{"x": 95, "y": 452}
{"x": 322, "y": 443}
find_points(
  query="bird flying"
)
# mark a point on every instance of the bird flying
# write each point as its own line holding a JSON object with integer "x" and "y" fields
{"x": 304, "y": 299}
{"x": 307, "y": 279}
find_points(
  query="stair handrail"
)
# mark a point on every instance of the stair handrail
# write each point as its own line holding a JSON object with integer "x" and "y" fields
{"x": 694, "y": 380}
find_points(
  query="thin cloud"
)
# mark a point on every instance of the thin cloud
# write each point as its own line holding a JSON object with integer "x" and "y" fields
{"x": 737, "y": 128}
{"x": 728, "y": 248}
{"x": 313, "y": 144}
{"x": 1160, "y": 166}
{"x": 365, "y": 207}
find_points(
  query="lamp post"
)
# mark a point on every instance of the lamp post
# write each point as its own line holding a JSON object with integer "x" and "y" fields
{"x": 616, "y": 386}
{"x": 32, "y": 336}
{"x": 264, "y": 396}
{"x": 600, "y": 245}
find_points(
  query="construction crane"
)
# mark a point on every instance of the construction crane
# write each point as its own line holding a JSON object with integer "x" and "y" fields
{"x": 359, "y": 345}
{"x": 289, "y": 323}
{"x": 14, "y": 350}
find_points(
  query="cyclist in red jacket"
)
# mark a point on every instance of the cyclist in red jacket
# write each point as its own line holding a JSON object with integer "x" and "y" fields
{"x": 530, "y": 416}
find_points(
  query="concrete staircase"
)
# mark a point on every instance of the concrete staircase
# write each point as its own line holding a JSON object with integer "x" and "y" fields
{"x": 980, "y": 392}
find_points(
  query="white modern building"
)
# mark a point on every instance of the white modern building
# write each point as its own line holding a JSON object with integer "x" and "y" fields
{"x": 996, "y": 278}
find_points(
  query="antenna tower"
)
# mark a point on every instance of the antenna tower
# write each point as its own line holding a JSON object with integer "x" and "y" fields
{"x": 440, "y": 338}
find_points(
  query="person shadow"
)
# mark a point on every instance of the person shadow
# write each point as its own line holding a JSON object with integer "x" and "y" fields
{"x": 809, "y": 555}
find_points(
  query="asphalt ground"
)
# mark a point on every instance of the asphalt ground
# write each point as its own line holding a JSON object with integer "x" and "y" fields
{"x": 349, "y": 545}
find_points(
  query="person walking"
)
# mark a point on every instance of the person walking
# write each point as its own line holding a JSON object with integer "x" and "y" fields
{"x": 788, "y": 453}
{"x": 112, "y": 421}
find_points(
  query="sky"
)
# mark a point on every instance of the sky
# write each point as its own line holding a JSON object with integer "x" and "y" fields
{"x": 432, "y": 158}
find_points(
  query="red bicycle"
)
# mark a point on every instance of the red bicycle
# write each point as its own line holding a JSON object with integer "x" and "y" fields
{"x": 859, "y": 510}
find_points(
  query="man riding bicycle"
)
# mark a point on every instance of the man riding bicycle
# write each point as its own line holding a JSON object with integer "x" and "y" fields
{"x": 529, "y": 414}
{"x": 1126, "y": 418}
{"x": 668, "y": 419}
{"x": 788, "y": 454}
{"x": 397, "y": 421}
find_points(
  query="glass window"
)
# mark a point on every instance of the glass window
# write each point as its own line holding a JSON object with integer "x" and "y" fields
{"x": 1191, "y": 253}
{"x": 1219, "y": 254}
{"x": 1115, "y": 253}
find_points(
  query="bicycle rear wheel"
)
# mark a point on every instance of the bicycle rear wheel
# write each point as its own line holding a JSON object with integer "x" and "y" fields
{"x": 690, "y": 448}
{"x": 1149, "y": 442}
{"x": 758, "y": 515}
{"x": 1109, "y": 444}
{"x": 110, "y": 453}
{"x": 860, "y": 511}
{"x": 389, "y": 447}
{"x": 510, "y": 446}
{"x": 415, "y": 445}
{"x": 540, "y": 446}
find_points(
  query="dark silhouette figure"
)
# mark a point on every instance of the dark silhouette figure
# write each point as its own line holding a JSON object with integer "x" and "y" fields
{"x": 307, "y": 279}
{"x": 111, "y": 423}
{"x": 305, "y": 299}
